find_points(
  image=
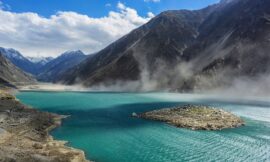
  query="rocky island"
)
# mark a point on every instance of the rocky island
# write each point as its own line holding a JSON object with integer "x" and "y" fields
{"x": 195, "y": 117}
{"x": 24, "y": 134}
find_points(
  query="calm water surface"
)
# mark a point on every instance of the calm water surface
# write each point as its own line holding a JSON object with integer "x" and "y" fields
{"x": 100, "y": 124}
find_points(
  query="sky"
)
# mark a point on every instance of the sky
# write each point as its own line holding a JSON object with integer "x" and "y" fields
{"x": 50, "y": 27}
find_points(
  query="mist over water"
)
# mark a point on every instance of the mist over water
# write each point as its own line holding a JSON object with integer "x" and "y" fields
{"x": 183, "y": 78}
{"x": 100, "y": 124}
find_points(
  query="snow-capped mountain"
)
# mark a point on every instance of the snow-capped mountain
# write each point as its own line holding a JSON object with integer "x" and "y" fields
{"x": 18, "y": 59}
{"x": 12, "y": 54}
{"x": 40, "y": 60}
{"x": 55, "y": 68}
{"x": 45, "y": 68}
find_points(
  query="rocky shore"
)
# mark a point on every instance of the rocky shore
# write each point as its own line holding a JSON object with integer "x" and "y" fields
{"x": 195, "y": 117}
{"x": 24, "y": 135}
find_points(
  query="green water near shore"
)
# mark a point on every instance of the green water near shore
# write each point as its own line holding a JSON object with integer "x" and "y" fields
{"x": 100, "y": 124}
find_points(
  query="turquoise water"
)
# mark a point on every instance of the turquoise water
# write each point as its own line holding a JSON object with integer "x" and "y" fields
{"x": 100, "y": 124}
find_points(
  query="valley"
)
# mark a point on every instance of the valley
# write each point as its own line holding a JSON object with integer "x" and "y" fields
{"x": 215, "y": 59}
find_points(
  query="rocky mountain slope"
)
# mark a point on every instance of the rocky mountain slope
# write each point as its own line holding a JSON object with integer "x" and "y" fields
{"x": 234, "y": 42}
{"x": 53, "y": 69}
{"x": 19, "y": 60}
{"x": 10, "y": 75}
{"x": 185, "y": 50}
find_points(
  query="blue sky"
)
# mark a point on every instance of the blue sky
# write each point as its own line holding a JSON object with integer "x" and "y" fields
{"x": 98, "y": 8}
{"x": 51, "y": 27}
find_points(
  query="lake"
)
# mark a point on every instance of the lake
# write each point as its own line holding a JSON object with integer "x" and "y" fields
{"x": 100, "y": 124}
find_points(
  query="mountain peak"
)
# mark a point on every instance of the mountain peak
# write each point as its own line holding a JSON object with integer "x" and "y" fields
{"x": 75, "y": 52}
{"x": 61, "y": 64}
{"x": 40, "y": 60}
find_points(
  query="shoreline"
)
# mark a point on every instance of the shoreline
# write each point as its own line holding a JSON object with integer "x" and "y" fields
{"x": 50, "y": 87}
{"x": 25, "y": 134}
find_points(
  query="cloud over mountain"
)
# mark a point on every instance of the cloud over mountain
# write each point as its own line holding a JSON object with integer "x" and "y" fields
{"x": 35, "y": 35}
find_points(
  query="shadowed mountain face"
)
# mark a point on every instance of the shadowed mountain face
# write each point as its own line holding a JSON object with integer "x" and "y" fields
{"x": 10, "y": 75}
{"x": 234, "y": 42}
{"x": 186, "y": 50}
{"x": 53, "y": 69}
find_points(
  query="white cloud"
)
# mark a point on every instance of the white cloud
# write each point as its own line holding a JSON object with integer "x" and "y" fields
{"x": 150, "y": 14}
{"x": 35, "y": 35}
{"x": 151, "y": 0}
{"x": 121, "y": 6}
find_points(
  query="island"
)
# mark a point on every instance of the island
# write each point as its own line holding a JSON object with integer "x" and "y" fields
{"x": 195, "y": 117}
{"x": 24, "y": 134}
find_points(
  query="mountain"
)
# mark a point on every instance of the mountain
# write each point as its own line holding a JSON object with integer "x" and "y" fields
{"x": 19, "y": 60}
{"x": 39, "y": 63}
{"x": 10, "y": 75}
{"x": 56, "y": 67}
{"x": 44, "y": 68}
{"x": 40, "y": 60}
{"x": 186, "y": 50}
{"x": 158, "y": 44}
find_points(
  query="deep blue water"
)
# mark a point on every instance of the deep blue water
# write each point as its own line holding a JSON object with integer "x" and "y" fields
{"x": 100, "y": 124}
